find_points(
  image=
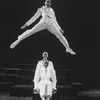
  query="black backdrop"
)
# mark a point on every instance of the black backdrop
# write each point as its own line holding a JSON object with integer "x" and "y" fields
{"x": 80, "y": 20}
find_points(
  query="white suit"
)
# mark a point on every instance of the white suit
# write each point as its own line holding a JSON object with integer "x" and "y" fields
{"x": 49, "y": 22}
{"x": 45, "y": 78}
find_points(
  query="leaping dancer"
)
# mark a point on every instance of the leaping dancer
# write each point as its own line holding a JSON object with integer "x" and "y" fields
{"x": 49, "y": 22}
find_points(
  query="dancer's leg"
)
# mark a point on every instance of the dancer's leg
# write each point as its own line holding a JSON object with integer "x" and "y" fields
{"x": 44, "y": 92}
{"x": 38, "y": 27}
{"x": 49, "y": 90}
{"x": 48, "y": 97}
{"x": 43, "y": 97}
{"x": 53, "y": 29}
{"x": 42, "y": 89}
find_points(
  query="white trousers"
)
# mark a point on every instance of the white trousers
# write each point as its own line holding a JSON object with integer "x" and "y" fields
{"x": 45, "y": 87}
{"x": 41, "y": 26}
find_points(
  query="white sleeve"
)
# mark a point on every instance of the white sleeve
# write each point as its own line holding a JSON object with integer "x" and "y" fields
{"x": 53, "y": 76}
{"x": 36, "y": 15}
{"x": 37, "y": 76}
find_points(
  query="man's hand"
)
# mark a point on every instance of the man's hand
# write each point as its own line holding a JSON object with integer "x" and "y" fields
{"x": 24, "y": 26}
{"x": 54, "y": 91}
{"x": 62, "y": 31}
{"x": 36, "y": 91}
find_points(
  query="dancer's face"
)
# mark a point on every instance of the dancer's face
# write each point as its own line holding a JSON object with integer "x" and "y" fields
{"x": 45, "y": 56}
{"x": 48, "y": 3}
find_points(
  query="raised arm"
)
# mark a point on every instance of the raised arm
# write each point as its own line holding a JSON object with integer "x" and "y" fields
{"x": 36, "y": 76}
{"x": 53, "y": 76}
{"x": 36, "y": 15}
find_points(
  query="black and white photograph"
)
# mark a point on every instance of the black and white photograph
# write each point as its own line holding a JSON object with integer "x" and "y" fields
{"x": 49, "y": 50}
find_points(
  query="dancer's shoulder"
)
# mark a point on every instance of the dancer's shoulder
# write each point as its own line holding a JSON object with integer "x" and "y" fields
{"x": 43, "y": 7}
{"x": 50, "y": 62}
{"x": 40, "y": 9}
{"x": 51, "y": 8}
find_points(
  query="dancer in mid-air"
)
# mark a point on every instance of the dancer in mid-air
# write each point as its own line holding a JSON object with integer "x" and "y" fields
{"x": 49, "y": 22}
{"x": 45, "y": 78}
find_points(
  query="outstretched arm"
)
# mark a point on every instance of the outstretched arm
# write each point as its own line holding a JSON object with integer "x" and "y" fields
{"x": 36, "y": 76}
{"x": 53, "y": 76}
{"x": 35, "y": 17}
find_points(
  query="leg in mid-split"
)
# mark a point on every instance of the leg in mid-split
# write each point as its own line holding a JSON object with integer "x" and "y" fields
{"x": 53, "y": 29}
{"x": 38, "y": 27}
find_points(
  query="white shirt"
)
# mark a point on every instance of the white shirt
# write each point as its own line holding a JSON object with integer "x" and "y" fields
{"x": 47, "y": 12}
{"x": 48, "y": 16}
{"x": 42, "y": 73}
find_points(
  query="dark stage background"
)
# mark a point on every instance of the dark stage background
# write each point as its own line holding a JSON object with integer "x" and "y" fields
{"x": 80, "y": 20}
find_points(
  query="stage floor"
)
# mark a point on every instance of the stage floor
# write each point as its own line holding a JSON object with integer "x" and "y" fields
{"x": 90, "y": 95}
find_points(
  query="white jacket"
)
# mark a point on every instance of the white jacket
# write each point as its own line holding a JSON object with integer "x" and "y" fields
{"x": 48, "y": 15}
{"x": 42, "y": 74}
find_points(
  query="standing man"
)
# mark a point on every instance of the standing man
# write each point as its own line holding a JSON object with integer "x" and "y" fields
{"x": 45, "y": 78}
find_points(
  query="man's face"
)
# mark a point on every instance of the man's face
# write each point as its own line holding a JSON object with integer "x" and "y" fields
{"x": 48, "y": 3}
{"x": 45, "y": 56}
